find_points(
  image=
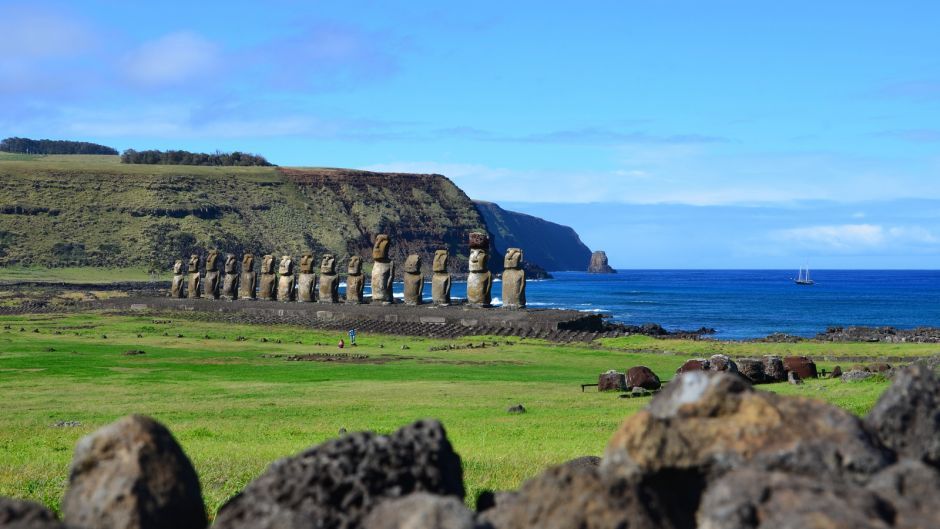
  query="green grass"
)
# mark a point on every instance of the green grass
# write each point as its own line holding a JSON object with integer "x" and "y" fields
{"x": 78, "y": 274}
{"x": 234, "y": 412}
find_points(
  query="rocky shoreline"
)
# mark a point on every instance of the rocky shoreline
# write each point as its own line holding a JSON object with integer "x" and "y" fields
{"x": 709, "y": 451}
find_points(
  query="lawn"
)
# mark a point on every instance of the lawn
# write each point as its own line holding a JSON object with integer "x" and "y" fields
{"x": 236, "y": 406}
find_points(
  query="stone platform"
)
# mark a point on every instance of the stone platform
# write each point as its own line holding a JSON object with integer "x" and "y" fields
{"x": 422, "y": 320}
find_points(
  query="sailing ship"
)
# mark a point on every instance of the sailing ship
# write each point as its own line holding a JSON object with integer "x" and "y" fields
{"x": 803, "y": 278}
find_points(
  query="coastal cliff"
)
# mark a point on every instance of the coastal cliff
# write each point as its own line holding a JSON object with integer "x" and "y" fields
{"x": 547, "y": 244}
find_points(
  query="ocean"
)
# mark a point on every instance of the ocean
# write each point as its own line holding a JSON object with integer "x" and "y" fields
{"x": 743, "y": 304}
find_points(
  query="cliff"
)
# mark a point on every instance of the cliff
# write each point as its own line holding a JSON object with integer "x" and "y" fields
{"x": 549, "y": 245}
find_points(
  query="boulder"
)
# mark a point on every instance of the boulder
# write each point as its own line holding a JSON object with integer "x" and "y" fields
{"x": 642, "y": 377}
{"x": 907, "y": 416}
{"x": 836, "y": 372}
{"x": 855, "y": 375}
{"x": 879, "y": 367}
{"x": 752, "y": 369}
{"x": 696, "y": 364}
{"x": 722, "y": 363}
{"x": 801, "y": 365}
{"x": 794, "y": 378}
{"x": 420, "y": 511}
{"x": 132, "y": 474}
{"x": 337, "y": 483}
{"x": 706, "y": 423}
{"x": 912, "y": 488}
{"x": 611, "y": 381}
{"x": 750, "y": 498}
{"x": 19, "y": 514}
{"x": 584, "y": 461}
{"x": 774, "y": 369}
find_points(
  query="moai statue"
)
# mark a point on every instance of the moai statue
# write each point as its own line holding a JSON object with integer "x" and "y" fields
{"x": 513, "y": 280}
{"x": 329, "y": 280}
{"x": 230, "y": 279}
{"x": 176, "y": 288}
{"x": 383, "y": 272}
{"x": 285, "y": 283}
{"x": 193, "y": 287}
{"x": 414, "y": 281}
{"x": 210, "y": 287}
{"x": 249, "y": 279}
{"x": 306, "y": 280}
{"x": 355, "y": 281}
{"x": 267, "y": 287}
{"x": 479, "y": 280}
{"x": 440, "y": 281}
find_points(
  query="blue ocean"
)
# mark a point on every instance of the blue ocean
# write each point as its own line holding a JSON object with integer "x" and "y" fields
{"x": 742, "y": 304}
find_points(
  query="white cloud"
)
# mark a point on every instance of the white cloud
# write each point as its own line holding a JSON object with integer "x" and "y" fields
{"x": 28, "y": 33}
{"x": 847, "y": 237}
{"x": 172, "y": 59}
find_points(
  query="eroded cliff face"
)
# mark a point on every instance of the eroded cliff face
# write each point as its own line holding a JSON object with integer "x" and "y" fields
{"x": 547, "y": 244}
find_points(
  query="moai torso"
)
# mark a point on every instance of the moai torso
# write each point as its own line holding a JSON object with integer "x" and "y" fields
{"x": 179, "y": 280}
{"x": 285, "y": 283}
{"x": 246, "y": 286}
{"x": 479, "y": 280}
{"x": 383, "y": 271}
{"x": 440, "y": 281}
{"x": 414, "y": 281}
{"x": 355, "y": 281}
{"x": 211, "y": 284}
{"x": 329, "y": 280}
{"x": 230, "y": 279}
{"x": 513, "y": 280}
{"x": 306, "y": 280}
{"x": 267, "y": 285}
{"x": 194, "y": 280}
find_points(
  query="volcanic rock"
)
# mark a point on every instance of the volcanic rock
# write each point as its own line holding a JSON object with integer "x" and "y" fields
{"x": 642, "y": 377}
{"x": 132, "y": 474}
{"x": 774, "y": 369}
{"x": 794, "y": 378}
{"x": 912, "y": 488}
{"x": 599, "y": 264}
{"x": 420, "y": 511}
{"x": 802, "y": 365}
{"x": 836, "y": 372}
{"x": 337, "y": 483}
{"x": 907, "y": 416}
{"x": 707, "y": 423}
{"x": 752, "y": 369}
{"x": 696, "y": 364}
{"x": 879, "y": 367}
{"x": 18, "y": 514}
{"x": 611, "y": 381}
{"x": 855, "y": 375}
{"x": 722, "y": 363}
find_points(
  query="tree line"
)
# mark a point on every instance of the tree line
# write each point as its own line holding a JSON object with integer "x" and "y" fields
{"x": 155, "y": 157}
{"x": 28, "y": 146}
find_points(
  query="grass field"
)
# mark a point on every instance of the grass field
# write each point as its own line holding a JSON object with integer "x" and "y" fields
{"x": 79, "y": 274}
{"x": 235, "y": 411}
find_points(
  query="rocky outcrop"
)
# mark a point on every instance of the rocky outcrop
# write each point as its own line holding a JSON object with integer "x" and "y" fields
{"x": 881, "y": 334}
{"x": 598, "y": 264}
{"x": 421, "y": 511}
{"x": 18, "y": 514}
{"x": 907, "y": 417}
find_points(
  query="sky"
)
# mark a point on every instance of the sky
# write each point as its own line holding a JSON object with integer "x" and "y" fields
{"x": 671, "y": 134}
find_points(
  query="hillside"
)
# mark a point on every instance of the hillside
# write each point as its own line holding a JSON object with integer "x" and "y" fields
{"x": 552, "y": 246}
{"x": 94, "y": 211}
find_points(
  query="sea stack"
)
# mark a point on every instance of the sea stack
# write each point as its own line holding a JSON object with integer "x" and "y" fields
{"x": 383, "y": 271}
{"x": 599, "y": 264}
{"x": 479, "y": 280}
{"x": 513, "y": 280}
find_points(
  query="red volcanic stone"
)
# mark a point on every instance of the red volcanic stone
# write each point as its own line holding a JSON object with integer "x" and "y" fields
{"x": 801, "y": 365}
{"x": 642, "y": 377}
{"x": 479, "y": 241}
{"x": 696, "y": 364}
{"x": 611, "y": 381}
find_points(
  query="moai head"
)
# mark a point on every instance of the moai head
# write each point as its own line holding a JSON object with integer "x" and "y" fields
{"x": 193, "y": 263}
{"x": 380, "y": 249}
{"x": 287, "y": 266}
{"x": 306, "y": 263}
{"x": 413, "y": 264}
{"x": 230, "y": 263}
{"x": 248, "y": 262}
{"x": 440, "y": 261}
{"x": 178, "y": 267}
{"x": 267, "y": 264}
{"x": 513, "y": 258}
{"x": 478, "y": 259}
{"x": 328, "y": 264}
{"x": 211, "y": 259}
{"x": 355, "y": 265}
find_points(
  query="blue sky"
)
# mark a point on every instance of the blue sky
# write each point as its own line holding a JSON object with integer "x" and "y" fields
{"x": 722, "y": 134}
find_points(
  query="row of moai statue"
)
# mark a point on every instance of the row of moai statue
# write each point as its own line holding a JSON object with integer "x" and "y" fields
{"x": 305, "y": 286}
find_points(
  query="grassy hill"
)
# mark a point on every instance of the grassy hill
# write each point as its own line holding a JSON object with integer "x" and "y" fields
{"x": 92, "y": 211}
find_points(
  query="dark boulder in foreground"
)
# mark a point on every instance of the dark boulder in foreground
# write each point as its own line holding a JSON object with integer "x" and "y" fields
{"x": 420, "y": 511}
{"x": 132, "y": 474}
{"x": 642, "y": 377}
{"x": 18, "y": 514}
{"x": 338, "y": 482}
{"x": 907, "y": 416}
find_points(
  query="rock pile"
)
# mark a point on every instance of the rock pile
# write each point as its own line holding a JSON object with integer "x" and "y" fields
{"x": 709, "y": 451}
